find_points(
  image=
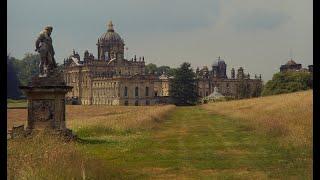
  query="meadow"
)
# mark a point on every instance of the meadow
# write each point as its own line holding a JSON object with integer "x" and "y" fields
{"x": 260, "y": 138}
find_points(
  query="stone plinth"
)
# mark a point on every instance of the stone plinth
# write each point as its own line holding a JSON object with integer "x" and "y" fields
{"x": 46, "y": 103}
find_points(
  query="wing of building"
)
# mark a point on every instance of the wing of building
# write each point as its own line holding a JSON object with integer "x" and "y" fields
{"x": 238, "y": 86}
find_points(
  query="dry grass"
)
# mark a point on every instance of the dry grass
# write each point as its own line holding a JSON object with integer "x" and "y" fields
{"x": 288, "y": 116}
{"x": 114, "y": 117}
{"x": 47, "y": 157}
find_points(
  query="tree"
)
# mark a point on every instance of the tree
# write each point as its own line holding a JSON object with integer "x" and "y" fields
{"x": 27, "y": 67}
{"x": 151, "y": 68}
{"x": 13, "y": 91}
{"x": 163, "y": 69}
{"x": 286, "y": 82}
{"x": 183, "y": 86}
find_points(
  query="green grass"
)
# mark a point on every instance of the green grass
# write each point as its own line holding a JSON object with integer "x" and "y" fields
{"x": 11, "y": 103}
{"x": 192, "y": 143}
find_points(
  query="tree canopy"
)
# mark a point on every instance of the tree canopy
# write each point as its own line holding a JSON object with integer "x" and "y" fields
{"x": 152, "y": 68}
{"x": 286, "y": 82}
{"x": 27, "y": 67}
{"x": 13, "y": 91}
{"x": 183, "y": 86}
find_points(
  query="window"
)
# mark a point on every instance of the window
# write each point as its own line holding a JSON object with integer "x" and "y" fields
{"x": 126, "y": 91}
{"x": 136, "y": 103}
{"x": 147, "y": 102}
{"x": 156, "y": 93}
{"x": 136, "y": 91}
{"x": 106, "y": 55}
{"x": 207, "y": 93}
{"x": 126, "y": 103}
{"x": 147, "y": 91}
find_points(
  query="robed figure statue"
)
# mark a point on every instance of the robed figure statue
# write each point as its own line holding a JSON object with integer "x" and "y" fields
{"x": 46, "y": 51}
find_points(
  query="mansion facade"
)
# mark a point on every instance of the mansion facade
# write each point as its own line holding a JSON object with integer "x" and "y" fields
{"x": 110, "y": 79}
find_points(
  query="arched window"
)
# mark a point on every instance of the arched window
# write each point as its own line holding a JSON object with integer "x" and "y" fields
{"x": 136, "y": 103}
{"x": 136, "y": 91}
{"x": 126, "y": 91}
{"x": 147, "y": 91}
{"x": 126, "y": 103}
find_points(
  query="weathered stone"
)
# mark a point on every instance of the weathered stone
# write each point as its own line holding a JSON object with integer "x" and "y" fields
{"x": 46, "y": 106}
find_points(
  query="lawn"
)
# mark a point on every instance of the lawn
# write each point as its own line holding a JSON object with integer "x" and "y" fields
{"x": 214, "y": 141}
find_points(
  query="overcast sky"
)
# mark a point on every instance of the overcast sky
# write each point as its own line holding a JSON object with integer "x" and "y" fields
{"x": 254, "y": 34}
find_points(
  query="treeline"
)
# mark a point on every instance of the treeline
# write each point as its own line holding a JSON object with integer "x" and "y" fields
{"x": 25, "y": 68}
{"x": 152, "y": 68}
{"x": 19, "y": 72}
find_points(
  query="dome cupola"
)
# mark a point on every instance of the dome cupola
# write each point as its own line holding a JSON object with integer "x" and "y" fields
{"x": 110, "y": 44}
{"x": 110, "y": 36}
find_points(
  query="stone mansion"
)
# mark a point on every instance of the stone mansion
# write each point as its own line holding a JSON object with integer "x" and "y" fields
{"x": 110, "y": 79}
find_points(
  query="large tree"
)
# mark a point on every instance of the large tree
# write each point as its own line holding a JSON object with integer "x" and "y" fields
{"x": 183, "y": 86}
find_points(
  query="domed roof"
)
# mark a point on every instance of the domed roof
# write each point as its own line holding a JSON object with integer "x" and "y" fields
{"x": 219, "y": 61}
{"x": 291, "y": 62}
{"x": 110, "y": 35}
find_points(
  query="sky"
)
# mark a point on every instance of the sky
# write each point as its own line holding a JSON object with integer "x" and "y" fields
{"x": 257, "y": 35}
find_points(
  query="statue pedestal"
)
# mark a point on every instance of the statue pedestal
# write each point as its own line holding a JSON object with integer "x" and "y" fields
{"x": 46, "y": 103}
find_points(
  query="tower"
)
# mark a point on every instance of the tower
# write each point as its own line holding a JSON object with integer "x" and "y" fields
{"x": 232, "y": 73}
{"x": 240, "y": 74}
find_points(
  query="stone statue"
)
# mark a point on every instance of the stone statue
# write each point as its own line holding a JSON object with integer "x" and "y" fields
{"x": 46, "y": 51}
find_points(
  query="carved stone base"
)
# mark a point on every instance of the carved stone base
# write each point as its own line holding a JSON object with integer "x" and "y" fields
{"x": 46, "y": 103}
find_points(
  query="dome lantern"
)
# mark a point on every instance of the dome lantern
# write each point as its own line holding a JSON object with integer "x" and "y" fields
{"x": 110, "y": 27}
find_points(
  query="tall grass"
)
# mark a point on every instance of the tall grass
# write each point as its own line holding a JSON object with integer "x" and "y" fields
{"x": 48, "y": 157}
{"x": 287, "y": 117}
{"x": 113, "y": 117}
{"x": 120, "y": 118}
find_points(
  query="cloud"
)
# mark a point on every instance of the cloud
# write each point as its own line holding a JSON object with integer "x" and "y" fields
{"x": 259, "y": 19}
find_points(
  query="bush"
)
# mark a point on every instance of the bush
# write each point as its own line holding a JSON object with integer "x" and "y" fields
{"x": 287, "y": 82}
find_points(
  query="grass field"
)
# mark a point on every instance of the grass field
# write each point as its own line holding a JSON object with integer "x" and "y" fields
{"x": 224, "y": 140}
{"x": 16, "y": 103}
